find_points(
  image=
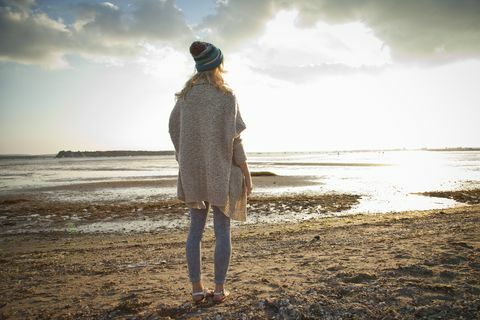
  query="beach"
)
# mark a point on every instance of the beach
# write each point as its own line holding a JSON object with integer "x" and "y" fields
{"x": 138, "y": 193}
{"x": 366, "y": 266}
{"x": 34, "y": 211}
{"x": 354, "y": 235}
{"x": 354, "y": 119}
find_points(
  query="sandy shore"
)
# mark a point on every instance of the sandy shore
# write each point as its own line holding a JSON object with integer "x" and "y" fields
{"x": 171, "y": 182}
{"x": 392, "y": 266}
{"x": 30, "y": 214}
{"x": 38, "y": 211}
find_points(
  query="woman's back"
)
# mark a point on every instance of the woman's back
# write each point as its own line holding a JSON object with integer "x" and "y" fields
{"x": 205, "y": 114}
{"x": 205, "y": 126}
{"x": 205, "y": 122}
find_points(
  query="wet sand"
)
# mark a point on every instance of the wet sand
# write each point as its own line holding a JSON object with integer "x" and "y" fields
{"x": 42, "y": 209}
{"x": 466, "y": 196}
{"x": 171, "y": 182}
{"x": 377, "y": 266}
{"x": 32, "y": 213}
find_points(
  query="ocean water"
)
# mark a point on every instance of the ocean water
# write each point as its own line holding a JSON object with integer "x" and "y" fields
{"x": 387, "y": 180}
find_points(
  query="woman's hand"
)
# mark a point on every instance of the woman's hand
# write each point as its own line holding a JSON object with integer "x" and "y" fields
{"x": 248, "y": 182}
{"x": 248, "y": 177}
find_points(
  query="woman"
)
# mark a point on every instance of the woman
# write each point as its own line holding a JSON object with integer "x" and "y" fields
{"x": 205, "y": 126}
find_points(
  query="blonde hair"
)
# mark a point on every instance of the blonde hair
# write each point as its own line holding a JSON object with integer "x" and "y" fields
{"x": 213, "y": 77}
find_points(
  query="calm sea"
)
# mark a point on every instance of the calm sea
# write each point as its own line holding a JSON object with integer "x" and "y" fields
{"x": 387, "y": 180}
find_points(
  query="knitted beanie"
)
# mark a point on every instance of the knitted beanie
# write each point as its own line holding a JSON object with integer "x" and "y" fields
{"x": 206, "y": 55}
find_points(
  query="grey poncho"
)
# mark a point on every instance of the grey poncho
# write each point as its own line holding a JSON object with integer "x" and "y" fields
{"x": 205, "y": 130}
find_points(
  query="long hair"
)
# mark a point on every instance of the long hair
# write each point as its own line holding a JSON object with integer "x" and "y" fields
{"x": 213, "y": 77}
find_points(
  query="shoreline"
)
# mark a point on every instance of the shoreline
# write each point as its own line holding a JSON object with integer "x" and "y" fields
{"x": 366, "y": 266}
{"x": 168, "y": 181}
{"x": 168, "y": 152}
{"x": 36, "y": 213}
{"x": 32, "y": 214}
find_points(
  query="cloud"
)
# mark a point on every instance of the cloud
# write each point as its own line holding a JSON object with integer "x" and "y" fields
{"x": 416, "y": 31}
{"x": 23, "y": 5}
{"x": 315, "y": 51}
{"x": 305, "y": 73}
{"x": 235, "y": 21}
{"x": 29, "y": 35}
{"x": 151, "y": 19}
{"x": 427, "y": 31}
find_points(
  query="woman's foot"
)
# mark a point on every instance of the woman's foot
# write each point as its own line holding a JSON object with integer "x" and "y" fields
{"x": 220, "y": 296}
{"x": 199, "y": 296}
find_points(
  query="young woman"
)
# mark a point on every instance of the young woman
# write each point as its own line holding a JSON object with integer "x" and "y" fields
{"x": 205, "y": 126}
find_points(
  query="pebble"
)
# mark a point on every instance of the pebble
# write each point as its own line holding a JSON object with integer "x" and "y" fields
{"x": 311, "y": 291}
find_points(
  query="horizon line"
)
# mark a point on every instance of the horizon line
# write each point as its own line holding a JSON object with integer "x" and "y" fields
{"x": 277, "y": 151}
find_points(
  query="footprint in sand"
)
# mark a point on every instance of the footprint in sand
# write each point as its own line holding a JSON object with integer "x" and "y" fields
{"x": 414, "y": 270}
{"x": 451, "y": 259}
{"x": 462, "y": 244}
{"x": 356, "y": 278}
{"x": 447, "y": 275}
{"x": 474, "y": 265}
{"x": 400, "y": 254}
{"x": 405, "y": 292}
{"x": 334, "y": 268}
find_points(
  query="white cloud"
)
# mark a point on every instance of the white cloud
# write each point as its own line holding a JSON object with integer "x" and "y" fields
{"x": 286, "y": 51}
{"x": 99, "y": 31}
{"x": 165, "y": 63}
{"x": 236, "y": 21}
{"x": 430, "y": 31}
{"x": 110, "y": 5}
{"x": 426, "y": 31}
{"x": 31, "y": 37}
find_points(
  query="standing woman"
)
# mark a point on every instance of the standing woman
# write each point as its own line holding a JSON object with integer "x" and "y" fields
{"x": 205, "y": 126}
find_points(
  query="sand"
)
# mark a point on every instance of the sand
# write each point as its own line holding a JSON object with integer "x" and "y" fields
{"x": 374, "y": 266}
{"x": 37, "y": 212}
{"x": 171, "y": 182}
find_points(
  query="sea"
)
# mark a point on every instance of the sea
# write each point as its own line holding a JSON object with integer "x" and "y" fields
{"x": 386, "y": 180}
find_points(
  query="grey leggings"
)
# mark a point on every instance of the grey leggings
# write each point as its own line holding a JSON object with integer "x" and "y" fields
{"x": 223, "y": 244}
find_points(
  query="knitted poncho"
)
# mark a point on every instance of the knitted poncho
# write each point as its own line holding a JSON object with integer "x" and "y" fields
{"x": 205, "y": 130}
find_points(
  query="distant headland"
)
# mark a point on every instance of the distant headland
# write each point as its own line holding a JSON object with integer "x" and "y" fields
{"x": 112, "y": 153}
{"x": 127, "y": 153}
{"x": 452, "y": 149}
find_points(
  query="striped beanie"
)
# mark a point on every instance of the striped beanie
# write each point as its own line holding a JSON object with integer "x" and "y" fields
{"x": 206, "y": 55}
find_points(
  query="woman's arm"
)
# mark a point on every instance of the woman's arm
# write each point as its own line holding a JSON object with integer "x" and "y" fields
{"x": 239, "y": 155}
{"x": 248, "y": 178}
{"x": 174, "y": 128}
{"x": 240, "y": 159}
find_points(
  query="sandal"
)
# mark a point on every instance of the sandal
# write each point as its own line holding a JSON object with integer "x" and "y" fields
{"x": 204, "y": 294}
{"x": 220, "y": 296}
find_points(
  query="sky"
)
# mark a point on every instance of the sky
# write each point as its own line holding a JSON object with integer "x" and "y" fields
{"x": 309, "y": 75}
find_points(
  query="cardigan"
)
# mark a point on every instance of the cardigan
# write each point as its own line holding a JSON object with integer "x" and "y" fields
{"x": 205, "y": 128}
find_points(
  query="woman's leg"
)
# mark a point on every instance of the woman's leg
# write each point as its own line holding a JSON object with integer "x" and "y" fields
{"x": 223, "y": 247}
{"x": 198, "y": 217}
